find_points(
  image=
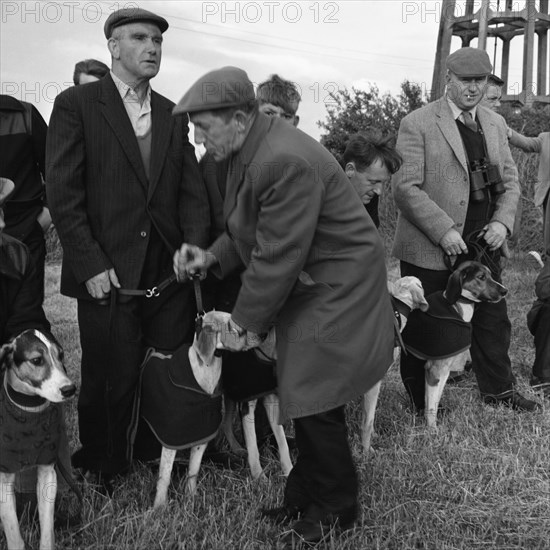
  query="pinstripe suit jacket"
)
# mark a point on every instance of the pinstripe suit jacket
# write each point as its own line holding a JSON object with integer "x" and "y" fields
{"x": 432, "y": 188}
{"x": 101, "y": 201}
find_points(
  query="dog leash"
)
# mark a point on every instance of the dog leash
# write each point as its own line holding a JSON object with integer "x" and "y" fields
{"x": 153, "y": 292}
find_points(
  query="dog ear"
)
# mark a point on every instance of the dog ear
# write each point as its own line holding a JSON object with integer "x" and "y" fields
{"x": 206, "y": 343}
{"x": 454, "y": 286}
{"x": 5, "y": 351}
{"x": 419, "y": 299}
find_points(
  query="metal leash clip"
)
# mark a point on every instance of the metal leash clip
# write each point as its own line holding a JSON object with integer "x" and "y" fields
{"x": 152, "y": 292}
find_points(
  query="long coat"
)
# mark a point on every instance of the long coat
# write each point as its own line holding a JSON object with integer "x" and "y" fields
{"x": 314, "y": 268}
{"x": 432, "y": 187}
{"x": 102, "y": 203}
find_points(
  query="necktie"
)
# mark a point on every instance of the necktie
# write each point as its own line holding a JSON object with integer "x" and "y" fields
{"x": 469, "y": 121}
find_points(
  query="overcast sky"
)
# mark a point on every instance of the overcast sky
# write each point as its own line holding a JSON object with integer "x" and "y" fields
{"x": 322, "y": 46}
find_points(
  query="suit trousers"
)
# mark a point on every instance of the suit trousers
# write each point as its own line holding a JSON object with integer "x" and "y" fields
{"x": 491, "y": 334}
{"x": 323, "y": 481}
{"x": 541, "y": 366}
{"x": 113, "y": 340}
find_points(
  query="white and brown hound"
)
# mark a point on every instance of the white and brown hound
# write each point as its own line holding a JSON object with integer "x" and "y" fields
{"x": 407, "y": 295}
{"x": 34, "y": 384}
{"x": 445, "y": 338}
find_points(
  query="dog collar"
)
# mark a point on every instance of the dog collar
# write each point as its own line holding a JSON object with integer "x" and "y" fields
{"x": 400, "y": 308}
{"x": 25, "y": 401}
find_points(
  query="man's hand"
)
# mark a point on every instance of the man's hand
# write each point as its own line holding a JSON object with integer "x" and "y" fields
{"x": 99, "y": 286}
{"x": 190, "y": 260}
{"x": 452, "y": 243}
{"x": 495, "y": 235}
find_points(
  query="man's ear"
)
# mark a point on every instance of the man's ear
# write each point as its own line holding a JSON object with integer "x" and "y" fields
{"x": 241, "y": 118}
{"x": 114, "y": 49}
{"x": 296, "y": 121}
{"x": 350, "y": 169}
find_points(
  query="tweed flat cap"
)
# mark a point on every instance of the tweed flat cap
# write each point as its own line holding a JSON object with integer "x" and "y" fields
{"x": 132, "y": 15}
{"x": 6, "y": 187}
{"x": 469, "y": 62}
{"x": 225, "y": 87}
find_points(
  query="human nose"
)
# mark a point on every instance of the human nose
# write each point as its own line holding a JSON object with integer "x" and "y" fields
{"x": 199, "y": 136}
{"x": 377, "y": 189}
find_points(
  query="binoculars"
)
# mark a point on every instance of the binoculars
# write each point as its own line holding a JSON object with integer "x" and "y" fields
{"x": 484, "y": 175}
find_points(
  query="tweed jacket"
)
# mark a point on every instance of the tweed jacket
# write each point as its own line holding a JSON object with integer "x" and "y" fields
{"x": 432, "y": 189}
{"x": 539, "y": 144}
{"x": 314, "y": 268}
{"x": 102, "y": 203}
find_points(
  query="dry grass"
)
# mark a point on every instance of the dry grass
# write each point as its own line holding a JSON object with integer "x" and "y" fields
{"x": 481, "y": 482}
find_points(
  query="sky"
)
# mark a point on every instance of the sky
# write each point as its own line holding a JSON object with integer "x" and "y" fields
{"x": 322, "y": 46}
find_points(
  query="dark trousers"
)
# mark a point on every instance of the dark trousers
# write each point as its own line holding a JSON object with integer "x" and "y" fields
{"x": 491, "y": 334}
{"x": 323, "y": 481}
{"x": 541, "y": 366}
{"x": 113, "y": 340}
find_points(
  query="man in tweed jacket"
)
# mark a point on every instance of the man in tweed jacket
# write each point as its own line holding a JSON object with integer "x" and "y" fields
{"x": 125, "y": 192}
{"x": 440, "y": 217}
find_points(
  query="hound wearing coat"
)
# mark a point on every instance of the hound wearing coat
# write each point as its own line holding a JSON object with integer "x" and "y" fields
{"x": 442, "y": 336}
{"x": 206, "y": 367}
{"x": 407, "y": 295}
{"x": 34, "y": 384}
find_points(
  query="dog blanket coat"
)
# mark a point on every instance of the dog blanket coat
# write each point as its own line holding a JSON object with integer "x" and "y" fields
{"x": 179, "y": 412}
{"x": 30, "y": 430}
{"x": 437, "y": 333}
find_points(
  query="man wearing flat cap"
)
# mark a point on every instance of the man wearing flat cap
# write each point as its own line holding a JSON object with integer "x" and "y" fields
{"x": 125, "y": 192}
{"x": 314, "y": 270}
{"x": 457, "y": 193}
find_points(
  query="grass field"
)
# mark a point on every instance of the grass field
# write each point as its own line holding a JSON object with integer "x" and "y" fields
{"x": 481, "y": 482}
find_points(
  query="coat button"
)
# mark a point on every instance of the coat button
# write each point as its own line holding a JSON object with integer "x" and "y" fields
{"x": 462, "y": 203}
{"x": 459, "y": 225}
{"x": 143, "y": 234}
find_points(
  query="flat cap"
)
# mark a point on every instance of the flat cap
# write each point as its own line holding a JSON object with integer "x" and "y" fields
{"x": 132, "y": 15}
{"x": 225, "y": 87}
{"x": 6, "y": 187}
{"x": 471, "y": 62}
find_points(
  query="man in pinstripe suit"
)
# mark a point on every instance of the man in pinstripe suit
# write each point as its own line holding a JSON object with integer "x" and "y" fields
{"x": 125, "y": 192}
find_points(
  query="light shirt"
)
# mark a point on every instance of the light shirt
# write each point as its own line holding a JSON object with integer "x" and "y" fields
{"x": 457, "y": 112}
{"x": 140, "y": 115}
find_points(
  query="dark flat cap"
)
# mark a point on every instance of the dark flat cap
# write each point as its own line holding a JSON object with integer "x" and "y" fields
{"x": 225, "y": 87}
{"x": 6, "y": 187}
{"x": 132, "y": 15}
{"x": 471, "y": 62}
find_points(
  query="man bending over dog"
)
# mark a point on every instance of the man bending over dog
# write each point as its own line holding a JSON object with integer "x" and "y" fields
{"x": 314, "y": 269}
{"x": 457, "y": 193}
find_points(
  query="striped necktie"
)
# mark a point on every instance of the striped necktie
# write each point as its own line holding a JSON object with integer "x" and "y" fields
{"x": 469, "y": 121}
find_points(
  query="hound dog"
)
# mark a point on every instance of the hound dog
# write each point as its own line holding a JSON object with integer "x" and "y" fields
{"x": 407, "y": 295}
{"x": 442, "y": 336}
{"x": 206, "y": 365}
{"x": 265, "y": 352}
{"x": 34, "y": 384}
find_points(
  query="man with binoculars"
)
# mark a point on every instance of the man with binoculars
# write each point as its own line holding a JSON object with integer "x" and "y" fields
{"x": 457, "y": 192}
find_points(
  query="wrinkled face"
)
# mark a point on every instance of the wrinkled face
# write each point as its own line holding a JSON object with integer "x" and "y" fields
{"x": 220, "y": 138}
{"x": 84, "y": 78}
{"x": 370, "y": 181}
{"x": 137, "y": 50}
{"x": 275, "y": 111}
{"x": 465, "y": 92}
{"x": 491, "y": 98}
{"x": 35, "y": 365}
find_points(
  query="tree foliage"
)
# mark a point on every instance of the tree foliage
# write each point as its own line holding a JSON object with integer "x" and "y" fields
{"x": 367, "y": 111}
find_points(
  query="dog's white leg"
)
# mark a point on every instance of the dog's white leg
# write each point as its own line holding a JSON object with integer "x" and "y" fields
{"x": 195, "y": 459}
{"x": 249, "y": 432}
{"x": 271, "y": 404}
{"x": 165, "y": 473}
{"x": 8, "y": 513}
{"x": 46, "y": 489}
{"x": 370, "y": 399}
{"x": 230, "y": 408}
{"x": 437, "y": 372}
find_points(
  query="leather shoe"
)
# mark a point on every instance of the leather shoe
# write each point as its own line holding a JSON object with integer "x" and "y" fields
{"x": 514, "y": 400}
{"x": 281, "y": 514}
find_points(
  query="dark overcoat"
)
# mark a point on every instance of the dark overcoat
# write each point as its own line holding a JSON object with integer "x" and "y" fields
{"x": 102, "y": 203}
{"x": 314, "y": 268}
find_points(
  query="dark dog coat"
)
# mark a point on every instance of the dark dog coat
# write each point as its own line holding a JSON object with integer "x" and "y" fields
{"x": 179, "y": 412}
{"x": 437, "y": 333}
{"x": 30, "y": 430}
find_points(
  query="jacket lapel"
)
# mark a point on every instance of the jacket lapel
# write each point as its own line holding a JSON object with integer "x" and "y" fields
{"x": 447, "y": 125}
{"x": 162, "y": 126}
{"x": 116, "y": 116}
